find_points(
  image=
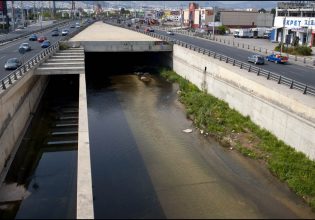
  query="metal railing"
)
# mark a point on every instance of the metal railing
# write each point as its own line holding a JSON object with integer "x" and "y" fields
{"x": 293, "y": 84}
{"x": 4, "y": 41}
{"x": 33, "y": 62}
{"x": 220, "y": 39}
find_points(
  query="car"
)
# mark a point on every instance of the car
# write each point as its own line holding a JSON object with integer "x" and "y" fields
{"x": 77, "y": 25}
{"x": 45, "y": 44}
{"x": 72, "y": 26}
{"x": 33, "y": 37}
{"x": 277, "y": 58}
{"x": 64, "y": 32}
{"x": 41, "y": 39}
{"x": 12, "y": 64}
{"x": 55, "y": 33}
{"x": 21, "y": 27}
{"x": 26, "y": 46}
{"x": 55, "y": 29}
{"x": 170, "y": 32}
{"x": 256, "y": 59}
{"x": 149, "y": 29}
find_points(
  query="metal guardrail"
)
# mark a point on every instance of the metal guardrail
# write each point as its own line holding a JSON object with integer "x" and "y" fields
{"x": 31, "y": 63}
{"x": 255, "y": 48}
{"x": 35, "y": 61}
{"x": 3, "y": 42}
{"x": 293, "y": 84}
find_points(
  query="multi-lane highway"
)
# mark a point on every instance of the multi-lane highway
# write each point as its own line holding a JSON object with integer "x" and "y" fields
{"x": 11, "y": 49}
{"x": 33, "y": 27}
{"x": 299, "y": 73}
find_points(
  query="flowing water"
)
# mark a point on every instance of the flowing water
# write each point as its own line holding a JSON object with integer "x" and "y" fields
{"x": 145, "y": 166}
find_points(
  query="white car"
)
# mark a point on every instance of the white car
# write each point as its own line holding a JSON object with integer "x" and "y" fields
{"x": 25, "y": 46}
{"x": 65, "y": 32}
{"x": 170, "y": 32}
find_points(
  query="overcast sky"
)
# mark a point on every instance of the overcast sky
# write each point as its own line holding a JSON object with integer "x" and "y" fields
{"x": 225, "y": 4}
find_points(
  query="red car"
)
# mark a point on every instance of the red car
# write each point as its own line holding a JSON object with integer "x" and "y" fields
{"x": 42, "y": 39}
{"x": 149, "y": 29}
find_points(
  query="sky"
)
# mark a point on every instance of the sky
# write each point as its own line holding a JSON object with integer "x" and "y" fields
{"x": 224, "y": 4}
{"x": 162, "y": 4}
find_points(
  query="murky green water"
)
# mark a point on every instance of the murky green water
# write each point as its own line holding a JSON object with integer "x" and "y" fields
{"x": 145, "y": 166}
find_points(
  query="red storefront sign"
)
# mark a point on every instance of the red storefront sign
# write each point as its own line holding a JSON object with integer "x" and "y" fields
{"x": 2, "y": 5}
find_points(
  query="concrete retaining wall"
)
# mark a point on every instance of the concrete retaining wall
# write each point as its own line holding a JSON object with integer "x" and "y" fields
{"x": 287, "y": 113}
{"x": 16, "y": 105}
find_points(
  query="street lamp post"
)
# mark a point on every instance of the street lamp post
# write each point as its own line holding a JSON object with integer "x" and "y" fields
{"x": 213, "y": 22}
{"x": 41, "y": 15}
{"x": 283, "y": 28}
{"x": 308, "y": 31}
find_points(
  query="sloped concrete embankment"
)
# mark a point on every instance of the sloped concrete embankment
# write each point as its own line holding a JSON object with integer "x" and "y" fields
{"x": 287, "y": 113}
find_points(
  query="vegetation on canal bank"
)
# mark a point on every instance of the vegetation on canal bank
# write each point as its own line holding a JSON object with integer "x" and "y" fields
{"x": 235, "y": 131}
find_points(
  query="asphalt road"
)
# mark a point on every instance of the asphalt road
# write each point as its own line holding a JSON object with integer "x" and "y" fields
{"x": 10, "y": 50}
{"x": 296, "y": 72}
{"x": 18, "y": 32}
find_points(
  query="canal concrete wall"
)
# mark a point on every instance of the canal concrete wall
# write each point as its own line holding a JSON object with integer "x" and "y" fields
{"x": 286, "y": 113}
{"x": 85, "y": 208}
{"x": 17, "y": 104}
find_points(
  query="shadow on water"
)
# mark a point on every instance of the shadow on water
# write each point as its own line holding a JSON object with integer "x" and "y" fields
{"x": 145, "y": 166}
{"x": 121, "y": 184}
{"x": 41, "y": 182}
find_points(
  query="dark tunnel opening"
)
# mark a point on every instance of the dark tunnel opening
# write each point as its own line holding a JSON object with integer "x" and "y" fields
{"x": 117, "y": 63}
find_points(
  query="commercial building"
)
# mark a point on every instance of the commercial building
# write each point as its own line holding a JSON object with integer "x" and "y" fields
{"x": 195, "y": 17}
{"x": 295, "y": 21}
{"x": 246, "y": 19}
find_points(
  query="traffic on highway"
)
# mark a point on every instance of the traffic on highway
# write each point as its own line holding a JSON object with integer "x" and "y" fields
{"x": 35, "y": 43}
{"x": 296, "y": 72}
{"x": 303, "y": 74}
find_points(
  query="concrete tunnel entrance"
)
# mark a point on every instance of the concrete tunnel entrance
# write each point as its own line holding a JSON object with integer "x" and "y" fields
{"x": 116, "y": 63}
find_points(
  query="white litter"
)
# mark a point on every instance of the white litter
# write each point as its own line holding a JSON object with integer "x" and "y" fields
{"x": 187, "y": 130}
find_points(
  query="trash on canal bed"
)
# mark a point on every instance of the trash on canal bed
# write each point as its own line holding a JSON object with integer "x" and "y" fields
{"x": 188, "y": 130}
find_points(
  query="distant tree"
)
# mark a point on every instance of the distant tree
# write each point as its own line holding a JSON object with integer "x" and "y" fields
{"x": 122, "y": 11}
{"x": 222, "y": 29}
{"x": 262, "y": 10}
{"x": 273, "y": 11}
{"x": 66, "y": 15}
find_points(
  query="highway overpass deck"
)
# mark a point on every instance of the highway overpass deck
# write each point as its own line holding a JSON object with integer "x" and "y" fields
{"x": 99, "y": 31}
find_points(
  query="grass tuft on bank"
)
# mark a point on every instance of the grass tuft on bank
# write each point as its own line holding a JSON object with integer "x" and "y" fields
{"x": 235, "y": 131}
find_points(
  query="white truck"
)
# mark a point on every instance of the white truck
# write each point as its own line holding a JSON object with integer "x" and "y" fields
{"x": 244, "y": 33}
{"x": 261, "y": 32}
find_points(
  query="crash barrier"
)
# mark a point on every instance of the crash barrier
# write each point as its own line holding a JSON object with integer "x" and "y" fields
{"x": 35, "y": 61}
{"x": 293, "y": 84}
{"x": 2, "y": 42}
{"x": 304, "y": 60}
{"x": 31, "y": 63}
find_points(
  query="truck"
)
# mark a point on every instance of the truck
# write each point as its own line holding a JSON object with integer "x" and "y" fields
{"x": 244, "y": 33}
{"x": 261, "y": 32}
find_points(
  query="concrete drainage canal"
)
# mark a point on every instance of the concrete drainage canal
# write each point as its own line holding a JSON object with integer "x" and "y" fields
{"x": 41, "y": 181}
{"x": 142, "y": 163}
